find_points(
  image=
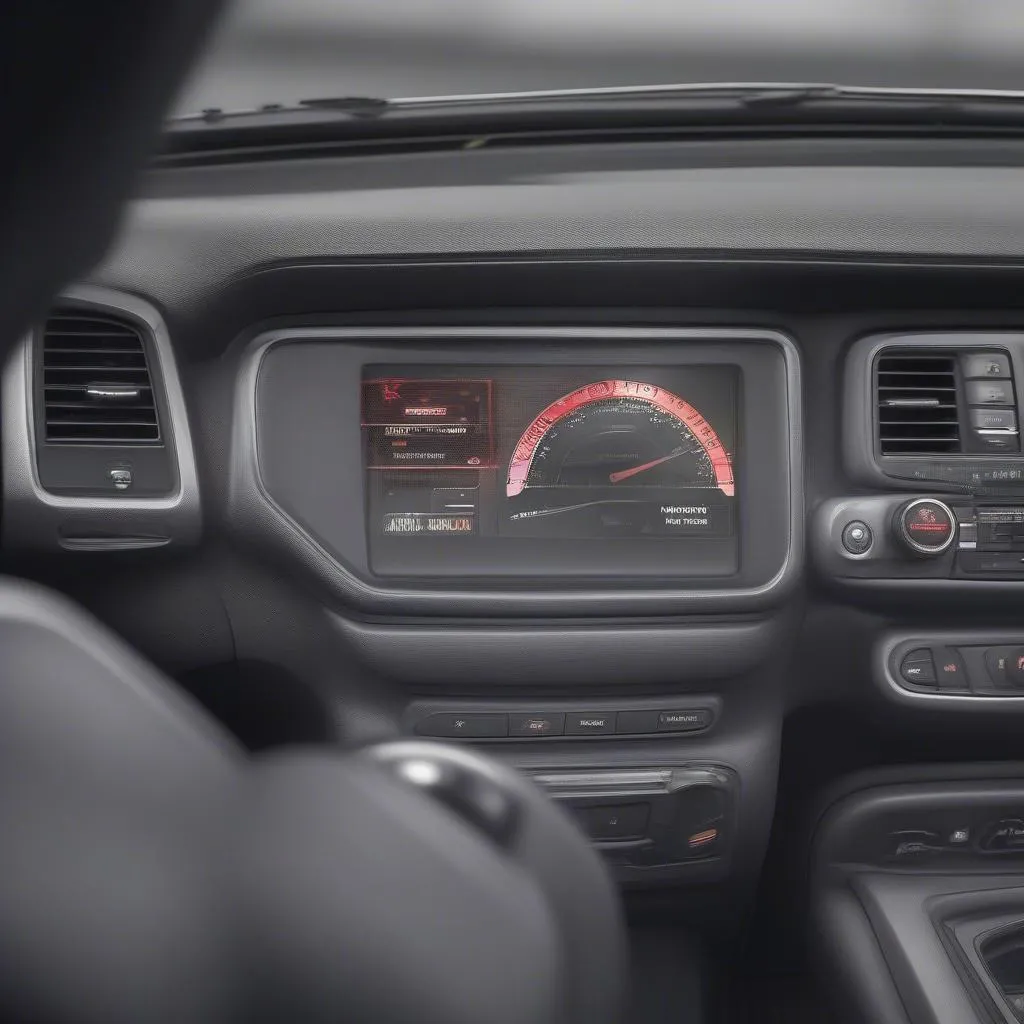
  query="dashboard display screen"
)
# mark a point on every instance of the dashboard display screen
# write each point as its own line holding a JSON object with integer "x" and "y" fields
{"x": 559, "y": 454}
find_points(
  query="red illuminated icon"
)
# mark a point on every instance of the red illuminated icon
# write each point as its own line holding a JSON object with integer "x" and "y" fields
{"x": 390, "y": 392}
{"x": 473, "y": 461}
{"x": 699, "y": 839}
{"x": 1020, "y": 663}
{"x": 926, "y": 515}
{"x": 950, "y": 667}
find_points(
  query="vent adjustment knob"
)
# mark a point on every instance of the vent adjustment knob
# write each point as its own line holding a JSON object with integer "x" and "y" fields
{"x": 925, "y": 526}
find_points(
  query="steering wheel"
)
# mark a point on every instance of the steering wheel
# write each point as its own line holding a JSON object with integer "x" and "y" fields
{"x": 153, "y": 872}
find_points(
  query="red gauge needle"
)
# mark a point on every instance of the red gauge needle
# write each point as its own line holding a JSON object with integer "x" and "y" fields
{"x": 625, "y": 474}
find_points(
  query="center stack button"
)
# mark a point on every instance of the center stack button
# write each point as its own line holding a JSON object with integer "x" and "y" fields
{"x": 925, "y": 526}
{"x": 589, "y": 723}
{"x": 918, "y": 668}
{"x": 949, "y": 669}
{"x": 1014, "y": 666}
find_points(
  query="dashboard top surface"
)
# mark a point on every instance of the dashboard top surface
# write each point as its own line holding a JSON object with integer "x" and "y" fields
{"x": 182, "y": 247}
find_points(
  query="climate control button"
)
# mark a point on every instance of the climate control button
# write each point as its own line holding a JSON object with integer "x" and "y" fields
{"x": 949, "y": 668}
{"x": 918, "y": 667}
{"x": 925, "y": 526}
{"x": 1014, "y": 667}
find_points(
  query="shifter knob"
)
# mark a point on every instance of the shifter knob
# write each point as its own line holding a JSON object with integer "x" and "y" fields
{"x": 459, "y": 780}
{"x": 925, "y": 526}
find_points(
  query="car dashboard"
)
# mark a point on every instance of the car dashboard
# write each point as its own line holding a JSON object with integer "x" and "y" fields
{"x": 642, "y": 467}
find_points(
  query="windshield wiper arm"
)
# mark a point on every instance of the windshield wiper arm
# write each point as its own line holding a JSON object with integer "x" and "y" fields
{"x": 356, "y": 106}
{"x": 721, "y": 107}
{"x": 375, "y": 106}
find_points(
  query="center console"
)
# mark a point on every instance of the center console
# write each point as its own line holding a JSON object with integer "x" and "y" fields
{"x": 918, "y": 895}
{"x": 570, "y": 545}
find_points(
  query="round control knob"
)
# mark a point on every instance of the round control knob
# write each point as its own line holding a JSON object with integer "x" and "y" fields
{"x": 857, "y": 537}
{"x": 926, "y": 526}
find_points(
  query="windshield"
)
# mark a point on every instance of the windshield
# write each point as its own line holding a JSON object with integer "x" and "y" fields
{"x": 284, "y": 50}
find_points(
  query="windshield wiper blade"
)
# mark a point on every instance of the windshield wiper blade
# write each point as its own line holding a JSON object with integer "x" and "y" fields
{"x": 744, "y": 93}
{"x": 749, "y": 96}
{"x": 669, "y": 111}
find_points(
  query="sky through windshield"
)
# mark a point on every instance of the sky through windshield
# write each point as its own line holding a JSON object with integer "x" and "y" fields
{"x": 285, "y": 50}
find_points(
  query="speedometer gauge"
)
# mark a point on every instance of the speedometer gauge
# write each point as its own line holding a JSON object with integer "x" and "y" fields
{"x": 616, "y": 434}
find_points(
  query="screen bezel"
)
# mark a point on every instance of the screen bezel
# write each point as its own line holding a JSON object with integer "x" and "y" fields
{"x": 306, "y": 458}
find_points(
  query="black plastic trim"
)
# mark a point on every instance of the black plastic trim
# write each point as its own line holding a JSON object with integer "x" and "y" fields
{"x": 626, "y": 656}
{"x": 892, "y": 645}
{"x": 35, "y": 517}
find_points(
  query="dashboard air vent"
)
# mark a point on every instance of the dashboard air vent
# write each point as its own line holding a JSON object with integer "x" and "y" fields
{"x": 97, "y": 387}
{"x": 917, "y": 408}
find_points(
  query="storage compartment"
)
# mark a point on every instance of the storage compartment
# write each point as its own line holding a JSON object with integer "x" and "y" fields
{"x": 650, "y": 817}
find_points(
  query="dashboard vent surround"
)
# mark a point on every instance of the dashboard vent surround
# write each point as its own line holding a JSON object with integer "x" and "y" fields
{"x": 916, "y": 396}
{"x": 96, "y": 381}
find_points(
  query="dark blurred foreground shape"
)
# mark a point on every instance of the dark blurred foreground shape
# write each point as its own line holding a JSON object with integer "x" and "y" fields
{"x": 150, "y": 870}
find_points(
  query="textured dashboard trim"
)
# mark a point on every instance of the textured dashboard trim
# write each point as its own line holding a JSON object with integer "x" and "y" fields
{"x": 608, "y": 655}
{"x": 33, "y": 515}
{"x": 252, "y": 506}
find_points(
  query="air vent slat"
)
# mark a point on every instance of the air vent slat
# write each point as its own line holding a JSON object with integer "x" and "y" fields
{"x": 136, "y": 435}
{"x": 57, "y": 350}
{"x": 909, "y": 440}
{"x": 915, "y": 404}
{"x": 131, "y": 361}
{"x": 82, "y": 406}
{"x": 109, "y": 417}
{"x": 96, "y": 383}
{"x": 97, "y": 424}
{"x": 57, "y": 330}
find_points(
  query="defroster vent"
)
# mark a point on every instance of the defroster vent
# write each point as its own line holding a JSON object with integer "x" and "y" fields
{"x": 917, "y": 404}
{"x": 97, "y": 387}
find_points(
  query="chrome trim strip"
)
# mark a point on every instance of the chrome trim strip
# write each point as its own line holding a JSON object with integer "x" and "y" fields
{"x": 603, "y": 779}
